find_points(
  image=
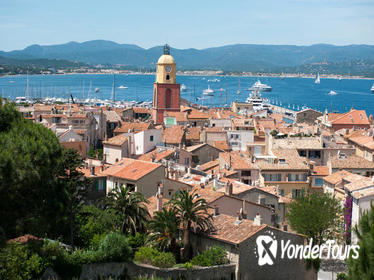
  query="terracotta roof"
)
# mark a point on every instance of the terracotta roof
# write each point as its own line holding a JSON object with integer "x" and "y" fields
{"x": 351, "y": 162}
{"x": 116, "y": 140}
{"x": 209, "y": 165}
{"x": 223, "y": 145}
{"x": 228, "y": 230}
{"x": 320, "y": 171}
{"x": 80, "y": 131}
{"x": 24, "y": 238}
{"x": 49, "y": 116}
{"x": 131, "y": 169}
{"x": 98, "y": 171}
{"x": 179, "y": 116}
{"x": 214, "y": 129}
{"x": 156, "y": 155}
{"x": 152, "y": 204}
{"x": 292, "y": 161}
{"x": 133, "y": 126}
{"x": 365, "y": 141}
{"x": 238, "y": 160}
{"x": 208, "y": 194}
{"x": 333, "y": 116}
{"x": 363, "y": 193}
{"x": 78, "y": 116}
{"x": 193, "y": 133}
{"x": 173, "y": 135}
{"x": 352, "y": 117}
{"x": 310, "y": 143}
{"x": 195, "y": 147}
{"x": 195, "y": 114}
{"x": 141, "y": 110}
{"x": 336, "y": 177}
{"x": 112, "y": 116}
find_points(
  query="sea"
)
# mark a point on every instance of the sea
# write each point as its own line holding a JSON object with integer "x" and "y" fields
{"x": 292, "y": 93}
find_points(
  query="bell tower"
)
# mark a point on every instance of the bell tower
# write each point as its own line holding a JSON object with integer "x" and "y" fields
{"x": 166, "y": 92}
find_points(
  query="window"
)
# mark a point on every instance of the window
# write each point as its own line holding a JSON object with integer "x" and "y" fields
{"x": 186, "y": 161}
{"x": 318, "y": 182}
{"x": 246, "y": 173}
{"x": 272, "y": 177}
{"x": 168, "y": 98}
{"x": 281, "y": 193}
{"x": 167, "y": 77}
{"x": 131, "y": 186}
{"x": 297, "y": 193}
{"x": 151, "y": 138}
{"x": 100, "y": 185}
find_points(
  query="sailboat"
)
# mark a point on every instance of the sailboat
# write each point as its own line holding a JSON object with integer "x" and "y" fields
{"x": 238, "y": 91}
{"x": 183, "y": 87}
{"x": 317, "y": 80}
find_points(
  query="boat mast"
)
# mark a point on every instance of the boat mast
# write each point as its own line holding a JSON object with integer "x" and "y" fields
{"x": 27, "y": 93}
{"x": 114, "y": 89}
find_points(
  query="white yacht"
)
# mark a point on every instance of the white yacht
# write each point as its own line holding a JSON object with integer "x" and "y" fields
{"x": 317, "y": 80}
{"x": 122, "y": 87}
{"x": 332, "y": 92}
{"x": 208, "y": 91}
{"x": 260, "y": 87}
{"x": 183, "y": 87}
{"x": 372, "y": 89}
{"x": 257, "y": 101}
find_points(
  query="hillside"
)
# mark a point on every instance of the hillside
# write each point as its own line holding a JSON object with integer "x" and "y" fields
{"x": 352, "y": 59}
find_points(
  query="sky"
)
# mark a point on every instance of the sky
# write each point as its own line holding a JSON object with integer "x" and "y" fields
{"x": 186, "y": 24}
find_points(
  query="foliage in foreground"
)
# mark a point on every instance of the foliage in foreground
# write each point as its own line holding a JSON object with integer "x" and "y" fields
{"x": 314, "y": 215}
{"x": 154, "y": 257}
{"x": 213, "y": 256}
{"x": 28, "y": 261}
{"x": 363, "y": 266}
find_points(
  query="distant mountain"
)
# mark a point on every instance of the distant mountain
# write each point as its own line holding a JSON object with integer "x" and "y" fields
{"x": 240, "y": 57}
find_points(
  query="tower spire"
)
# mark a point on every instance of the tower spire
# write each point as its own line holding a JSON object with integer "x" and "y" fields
{"x": 166, "y": 49}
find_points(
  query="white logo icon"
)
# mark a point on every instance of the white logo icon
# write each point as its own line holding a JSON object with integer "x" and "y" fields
{"x": 266, "y": 249}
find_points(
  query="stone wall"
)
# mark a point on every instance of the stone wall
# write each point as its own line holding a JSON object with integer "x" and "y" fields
{"x": 120, "y": 270}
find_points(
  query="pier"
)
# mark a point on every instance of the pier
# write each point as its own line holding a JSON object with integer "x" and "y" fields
{"x": 287, "y": 113}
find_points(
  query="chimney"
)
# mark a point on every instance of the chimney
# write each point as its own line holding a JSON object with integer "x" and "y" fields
{"x": 239, "y": 216}
{"x": 159, "y": 197}
{"x": 92, "y": 170}
{"x": 228, "y": 189}
{"x": 258, "y": 220}
{"x": 229, "y": 162}
{"x": 244, "y": 212}
{"x": 216, "y": 210}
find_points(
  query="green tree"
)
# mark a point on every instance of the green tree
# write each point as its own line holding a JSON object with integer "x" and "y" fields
{"x": 192, "y": 212}
{"x": 94, "y": 222}
{"x": 74, "y": 185}
{"x": 131, "y": 206}
{"x": 363, "y": 267}
{"x": 164, "y": 230}
{"x": 31, "y": 200}
{"x": 314, "y": 215}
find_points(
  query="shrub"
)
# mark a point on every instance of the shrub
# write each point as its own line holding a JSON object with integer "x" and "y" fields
{"x": 136, "y": 241}
{"x": 151, "y": 256}
{"x": 341, "y": 276}
{"x": 163, "y": 260}
{"x": 214, "y": 256}
{"x": 115, "y": 247}
{"x": 145, "y": 255}
{"x": 17, "y": 261}
{"x": 200, "y": 260}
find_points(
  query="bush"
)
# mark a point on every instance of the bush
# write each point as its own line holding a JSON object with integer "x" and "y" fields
{"x": 145, "y": 255}
{"x": 17, "y": 261}
{"x": 214, "y": 256}
{"x": 151, "y": 256}
{"x": 115, "y": 247}
{"x": 341, "y": 276}
{"x": 164, "y": 260}
{"x": 136, "y": 241}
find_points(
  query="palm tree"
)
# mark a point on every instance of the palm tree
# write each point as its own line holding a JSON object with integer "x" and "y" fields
{"x": 193, "y": 213}
{"x": 131, "y": 206}
{"x": 164, "y": 230}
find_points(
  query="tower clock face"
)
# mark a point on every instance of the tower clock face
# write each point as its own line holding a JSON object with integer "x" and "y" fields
{"x": 168, "y": 69}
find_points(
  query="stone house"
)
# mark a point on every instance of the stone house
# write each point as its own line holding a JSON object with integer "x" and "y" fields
{"x": 239, "y": 237}
{"x": 308, "y": 116}
{"x": 203, "y": 153}
{"x": 116, "y": 148}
